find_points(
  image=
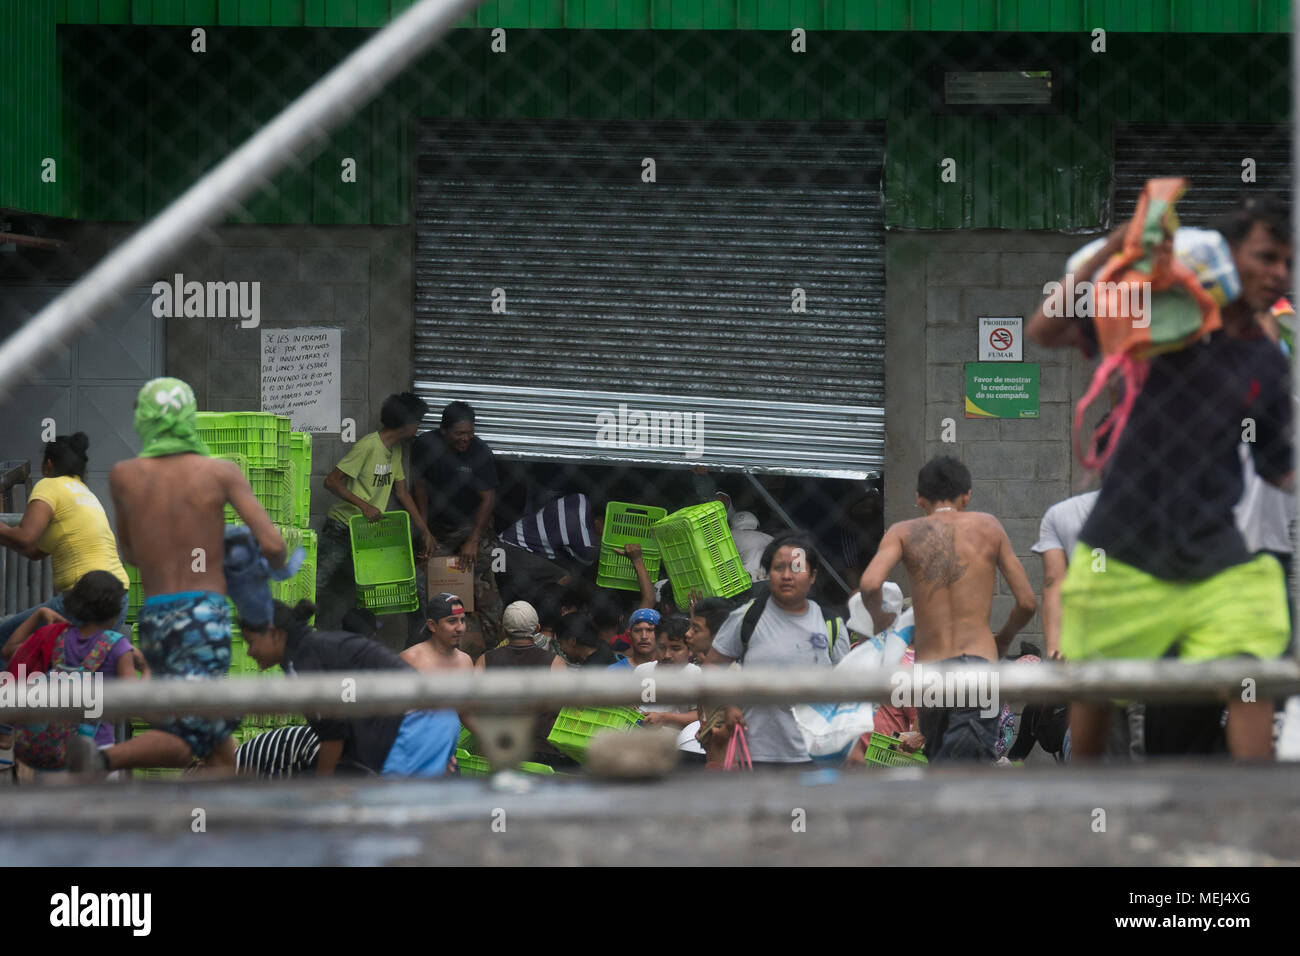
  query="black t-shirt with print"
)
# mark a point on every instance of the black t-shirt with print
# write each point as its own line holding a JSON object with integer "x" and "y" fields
{"x": 452, "y": 479}
{"x": 366, "y": 740}
{"x": 1168, "y": 492}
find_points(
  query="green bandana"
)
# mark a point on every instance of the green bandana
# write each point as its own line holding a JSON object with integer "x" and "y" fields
{"x": 164, "y": 419}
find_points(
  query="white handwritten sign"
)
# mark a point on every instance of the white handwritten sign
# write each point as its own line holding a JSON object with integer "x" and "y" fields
{"x": 300, "y": 377}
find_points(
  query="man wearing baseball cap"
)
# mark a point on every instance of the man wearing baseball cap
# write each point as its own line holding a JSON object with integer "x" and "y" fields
{"x": 520, "y": 624}
{"x": 445, "y": 626}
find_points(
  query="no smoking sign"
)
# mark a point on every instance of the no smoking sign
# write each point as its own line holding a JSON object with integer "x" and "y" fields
{"x": 1001, "y": 339}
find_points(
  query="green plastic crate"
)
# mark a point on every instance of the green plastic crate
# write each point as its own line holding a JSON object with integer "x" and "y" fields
{"x": 157, "y": 773}
{"x": 699, "y": 553}
{"x": 134, "y": 593}
{"x": 262, "y": 438}
{"x": 466, "y": 741}
{"x": 384, "y": 563}
{"x": 300, "y": 458}
{"x": 302, "y": 586}
{"x": 625, "y": 524}
{"x": 273, "y": 488}
{"x": 574, "y": 727}
{"x": 471, "y": 765}
{"x": 883, "y": 752}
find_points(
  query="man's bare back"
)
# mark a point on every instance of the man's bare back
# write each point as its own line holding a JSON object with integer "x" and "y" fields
{"x": 952, "y": 559}
{"x": 171, "y": 522}
{"x": 425, "y": 657}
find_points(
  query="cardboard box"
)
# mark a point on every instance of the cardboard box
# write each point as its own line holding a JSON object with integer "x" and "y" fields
{"x": 445, "y": 575}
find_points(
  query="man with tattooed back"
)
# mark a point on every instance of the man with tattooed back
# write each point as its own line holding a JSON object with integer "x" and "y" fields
{"x": 952, "y": 558}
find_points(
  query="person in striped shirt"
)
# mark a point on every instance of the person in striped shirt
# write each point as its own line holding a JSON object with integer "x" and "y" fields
{"x": 553, "y": 546}
{"x": 278, "y": 754}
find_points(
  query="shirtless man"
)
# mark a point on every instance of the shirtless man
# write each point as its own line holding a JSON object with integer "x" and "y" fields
{"x": 171, "y": 525}
{"x": 952, "y": 556}
{"x": 446, "y": 626}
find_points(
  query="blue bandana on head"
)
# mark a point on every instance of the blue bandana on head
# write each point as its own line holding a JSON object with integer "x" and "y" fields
{"x": 644, "y": 614}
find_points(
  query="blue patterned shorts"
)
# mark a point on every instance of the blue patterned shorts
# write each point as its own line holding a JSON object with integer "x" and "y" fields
{"x": 187, "y": 635}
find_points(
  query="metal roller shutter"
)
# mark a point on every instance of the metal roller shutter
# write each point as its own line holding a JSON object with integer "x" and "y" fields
{"x": 1209, "y": 156}
{"x": 670, "y": 297}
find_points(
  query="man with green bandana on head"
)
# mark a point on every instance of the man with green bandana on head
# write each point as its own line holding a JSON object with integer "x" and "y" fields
{"x": 170, "y": 524}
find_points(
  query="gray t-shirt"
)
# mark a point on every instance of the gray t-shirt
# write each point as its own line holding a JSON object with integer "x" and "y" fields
{"x": 1063, "y": 522}
{"x": 780, "y": 640}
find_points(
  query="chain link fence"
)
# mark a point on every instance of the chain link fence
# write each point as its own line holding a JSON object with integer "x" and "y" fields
{"x": 670, "y": 254}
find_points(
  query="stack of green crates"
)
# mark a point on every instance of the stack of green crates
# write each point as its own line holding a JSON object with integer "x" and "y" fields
{"x": 300, "y": 462}
{"x": 699, "y": 552}
{"x": 303, "y": 584}
{"x": 134, "y": 594}
{"x": 243, "y": 666}
{"x": 260, "y": 443}
{"x": 277, "y": 463}
{"x": 260, "y": 437}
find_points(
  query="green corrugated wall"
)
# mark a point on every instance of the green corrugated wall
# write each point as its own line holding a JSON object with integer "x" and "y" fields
{"x": 31, "y": 108}
{"x": 169, "y": 114}
{"x": 1029, "y": 16}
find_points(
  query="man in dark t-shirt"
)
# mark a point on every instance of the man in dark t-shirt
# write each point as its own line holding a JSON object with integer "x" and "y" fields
{"x": 454, "y": 478}
{"x": 1160, "y": 566}
{"x": 520, "y": 623}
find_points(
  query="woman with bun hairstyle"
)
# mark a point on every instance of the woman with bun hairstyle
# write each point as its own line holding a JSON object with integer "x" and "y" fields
{"x": 419, "y": 743}
{"x": 64, "y": 521}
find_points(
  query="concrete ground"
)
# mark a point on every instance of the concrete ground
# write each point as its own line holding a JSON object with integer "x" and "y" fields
{"x": 1149, "y": 815}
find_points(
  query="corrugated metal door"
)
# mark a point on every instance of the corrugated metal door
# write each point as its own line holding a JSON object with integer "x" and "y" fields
{"x": 673, "y": 296}
{"x": 1210, "y": 156}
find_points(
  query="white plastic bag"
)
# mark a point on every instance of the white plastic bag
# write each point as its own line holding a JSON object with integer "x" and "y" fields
{"x": 830, "y": 730}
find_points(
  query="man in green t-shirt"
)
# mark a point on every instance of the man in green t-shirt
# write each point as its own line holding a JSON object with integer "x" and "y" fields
{"x": 365, "y": 479}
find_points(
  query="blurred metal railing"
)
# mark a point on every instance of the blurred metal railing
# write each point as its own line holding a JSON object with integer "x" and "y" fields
{"x": 361, "y": 694}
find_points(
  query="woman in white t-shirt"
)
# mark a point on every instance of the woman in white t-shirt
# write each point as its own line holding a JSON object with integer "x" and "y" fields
{"x": 791, "y": 631}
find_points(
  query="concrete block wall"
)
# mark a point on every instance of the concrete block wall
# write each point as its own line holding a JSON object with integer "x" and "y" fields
{"x": 354, "y": 279}
{"x": 357, "y": 279}
{"x": 938, "y": 285}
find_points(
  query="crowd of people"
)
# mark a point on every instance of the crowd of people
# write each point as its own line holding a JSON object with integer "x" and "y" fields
{"x": 1184, "y": 519}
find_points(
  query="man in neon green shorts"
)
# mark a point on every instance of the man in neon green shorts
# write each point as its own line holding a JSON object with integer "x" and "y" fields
{"x": 1160, "y": 567}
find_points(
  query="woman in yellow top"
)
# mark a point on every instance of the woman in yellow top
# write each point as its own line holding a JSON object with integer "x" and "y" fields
{"x": 65, "y": 521}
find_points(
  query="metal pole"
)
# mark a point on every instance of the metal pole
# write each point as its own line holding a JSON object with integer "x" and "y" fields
{"x": 329, "y": 102}
{"x": 361, "y": 694}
